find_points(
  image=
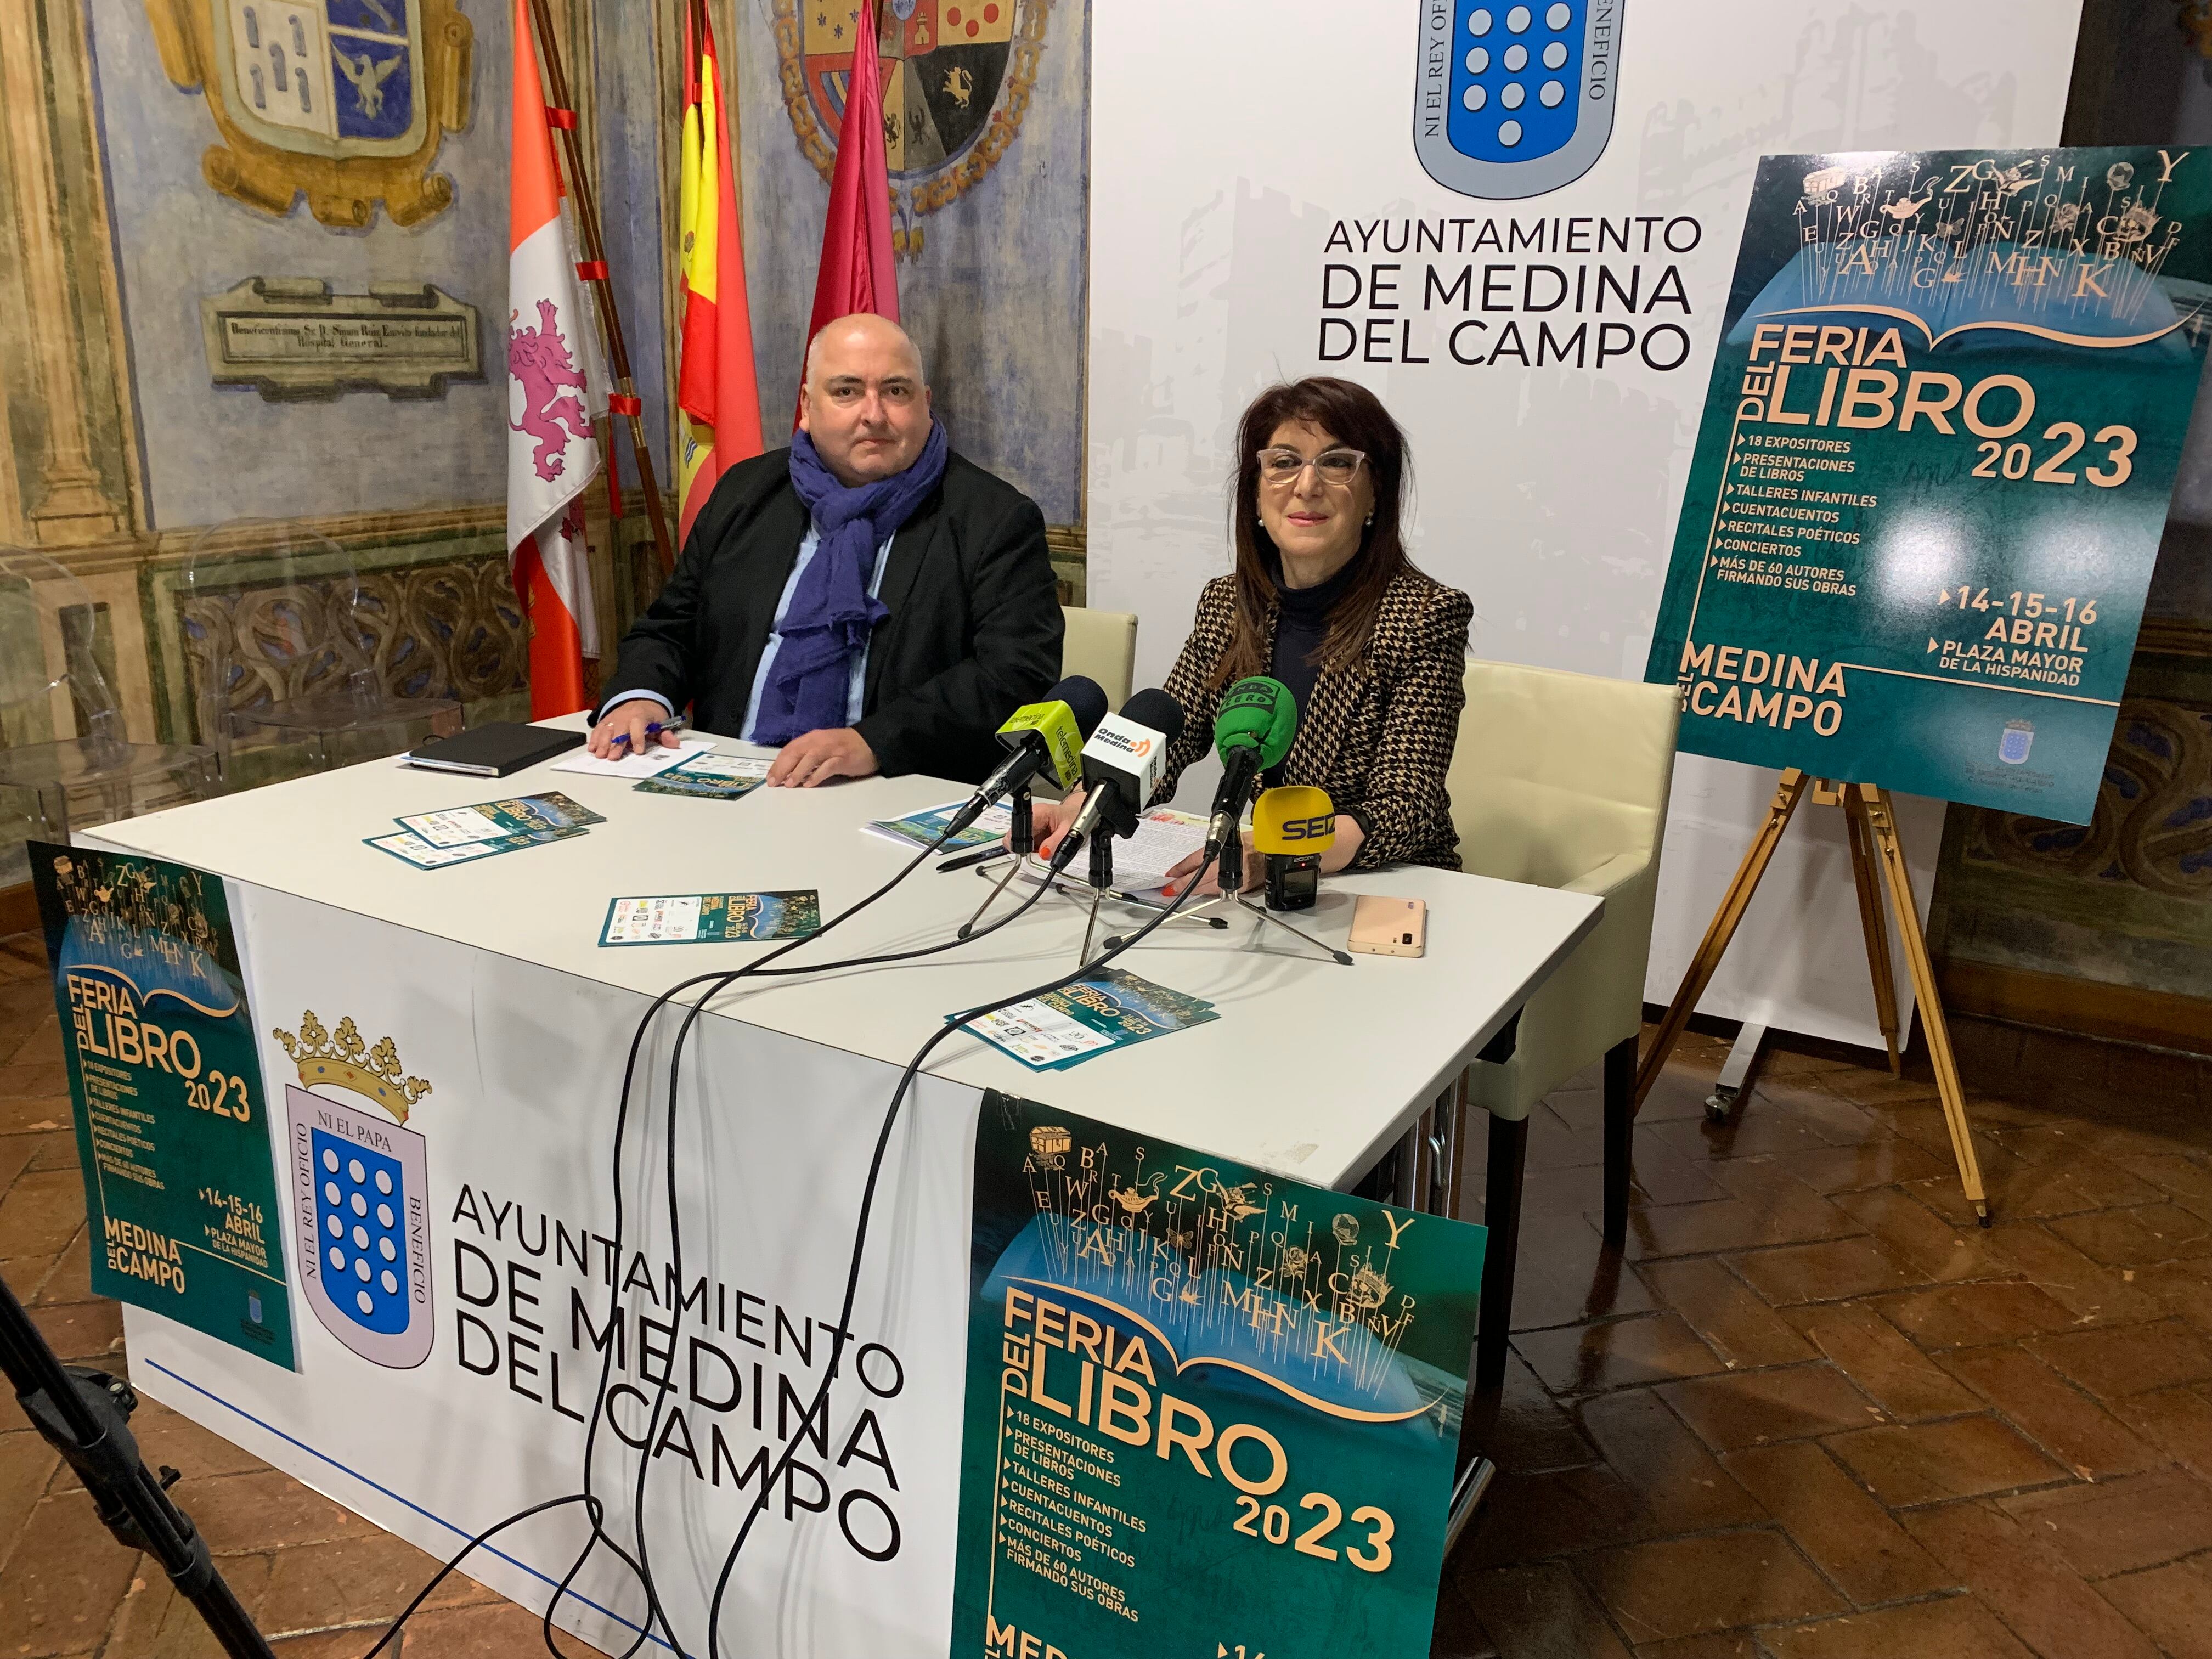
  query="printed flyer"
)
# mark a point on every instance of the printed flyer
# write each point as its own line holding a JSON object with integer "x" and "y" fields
{"x": 171, "y": 1126}
{"x": 1209, "y": 1411}
{"x": 1935, "y": 465}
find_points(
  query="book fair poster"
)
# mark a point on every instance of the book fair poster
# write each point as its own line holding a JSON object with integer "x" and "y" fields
{"x": 1209, "y": 1410}
{"x": 1936, "y": 458}
{"x": 165, "y": 1078}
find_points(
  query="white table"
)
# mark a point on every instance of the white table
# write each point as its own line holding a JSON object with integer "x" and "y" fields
{"x": 490, "y": 977}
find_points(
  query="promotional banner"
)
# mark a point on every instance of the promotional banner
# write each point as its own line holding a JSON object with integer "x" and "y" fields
{"x": 172, "y": 1119}
{"x": 1186, "y": 1376}
{"x": 474, "y": 1293}
{"x": 1539, "y": 314}
{"x": 1935, "y": 465}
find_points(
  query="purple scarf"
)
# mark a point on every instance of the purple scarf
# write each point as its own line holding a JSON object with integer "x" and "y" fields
{"x": 831, "y": 615}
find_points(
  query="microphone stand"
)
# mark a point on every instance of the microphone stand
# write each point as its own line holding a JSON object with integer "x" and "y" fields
{"x": 84, "y": 1414}
{"x": 1102, "y": 883}
{"x": 1021, "y": 840}
{"x": 1229, "y": 873}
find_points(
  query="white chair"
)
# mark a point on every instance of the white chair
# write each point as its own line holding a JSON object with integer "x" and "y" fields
{"x": 1102, "y": 644}
{"x": 1561, "y": 780}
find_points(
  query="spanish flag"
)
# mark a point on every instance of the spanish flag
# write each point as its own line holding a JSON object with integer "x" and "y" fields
{"x": 715, "y": 391}
{"x": 554, "y": 389}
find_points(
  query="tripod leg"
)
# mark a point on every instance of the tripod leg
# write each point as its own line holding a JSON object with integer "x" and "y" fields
{"x": 1014, "y": 867}
{"x": 1734, "y": 903}
{"x": 1266, "y": 915}
{"x": 1877, "y": 938}
{"x": 1881, "y": 821}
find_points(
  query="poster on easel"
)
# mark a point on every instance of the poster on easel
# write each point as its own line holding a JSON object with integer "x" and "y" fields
{"x": 1935, "y": 465}
{"x": 165, "y": 1080}
{"x": 1209, "y": 1410}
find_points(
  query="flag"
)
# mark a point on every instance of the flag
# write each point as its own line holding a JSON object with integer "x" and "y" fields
{"x": 716, "y": 394}
{"x": 856, "y": 272}
{"x": 552, "y": 447}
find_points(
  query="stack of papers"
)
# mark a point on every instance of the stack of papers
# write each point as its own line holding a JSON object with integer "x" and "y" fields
{"x": 459, "y": 834}
{"x": 711, "y": 777}
{"x": 648, "y": 762}
{"x": 1164, "y": 838}
{"x": 922, "y": 829}
{"x": 1106, "y": 1009}
{"x": 712, "y": 918}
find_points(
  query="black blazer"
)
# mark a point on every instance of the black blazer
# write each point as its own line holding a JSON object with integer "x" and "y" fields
{"x": 974, "y": 631}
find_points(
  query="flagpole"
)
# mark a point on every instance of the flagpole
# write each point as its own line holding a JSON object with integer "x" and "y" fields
{"x": 563, "y": 116}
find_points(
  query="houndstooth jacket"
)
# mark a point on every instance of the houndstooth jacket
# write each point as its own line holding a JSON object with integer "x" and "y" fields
{"x": 1378, "y": 736}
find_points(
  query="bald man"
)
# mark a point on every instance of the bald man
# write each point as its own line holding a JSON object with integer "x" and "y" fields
{"x": 866, "y": 600}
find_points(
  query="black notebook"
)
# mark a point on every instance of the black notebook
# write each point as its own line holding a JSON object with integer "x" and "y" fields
{"x": 494, "y": 751}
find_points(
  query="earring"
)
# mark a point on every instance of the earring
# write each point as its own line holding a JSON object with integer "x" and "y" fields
{"x": 1371, "y": 518}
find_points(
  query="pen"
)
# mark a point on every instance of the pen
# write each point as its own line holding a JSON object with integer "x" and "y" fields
{"x": 968, "y": 860}
{"x": 653, "y": 729}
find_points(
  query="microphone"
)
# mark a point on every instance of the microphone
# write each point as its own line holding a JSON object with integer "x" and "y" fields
{"x": 1121, "y": 766}
{"x": 1258, "y": 720}
{"x": 1293, "y": 827}
{"x": 1038, "y": 735}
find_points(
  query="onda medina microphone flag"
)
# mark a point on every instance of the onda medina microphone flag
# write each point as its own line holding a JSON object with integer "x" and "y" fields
{"x": 715, "y": 389}
{"x": 856, "y": 273}
{"x": 552, "y": 446}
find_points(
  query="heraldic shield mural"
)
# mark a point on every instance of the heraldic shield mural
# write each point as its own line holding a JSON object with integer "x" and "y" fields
{"x": 344, "y": 100}
{"x": 957, "y": 77}
{"x": 360, "y": 1191}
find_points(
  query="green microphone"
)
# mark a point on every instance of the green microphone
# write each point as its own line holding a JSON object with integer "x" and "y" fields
{"x": 1257, "y": 723}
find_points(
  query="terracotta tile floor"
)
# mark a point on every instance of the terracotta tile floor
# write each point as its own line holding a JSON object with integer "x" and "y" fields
{"x": 1811, "y": 1412}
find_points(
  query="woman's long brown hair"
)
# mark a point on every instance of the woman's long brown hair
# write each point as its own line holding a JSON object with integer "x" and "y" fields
{"x": 1355, "y": 417}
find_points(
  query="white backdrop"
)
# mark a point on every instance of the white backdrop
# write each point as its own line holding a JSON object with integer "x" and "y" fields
{"x": 1237, "y": 152}
{"x": 525, "y": 1064}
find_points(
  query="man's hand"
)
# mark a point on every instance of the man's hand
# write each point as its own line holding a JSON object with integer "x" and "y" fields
{"x": 627, "y": 721}
{"x": 816, "y": 758}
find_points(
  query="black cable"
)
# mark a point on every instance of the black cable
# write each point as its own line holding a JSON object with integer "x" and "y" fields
{"x": 596, "y": 1510}
{"x": 838, "y": 1333}
{"x": 676, "y": 1254}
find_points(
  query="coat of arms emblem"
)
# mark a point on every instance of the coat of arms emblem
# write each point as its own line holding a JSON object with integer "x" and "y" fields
{"x": 1511, "y": 99}
{"x": 957, "y": 78}
{"x": 360, "y": 1191}
{"x": 345, "y": 100}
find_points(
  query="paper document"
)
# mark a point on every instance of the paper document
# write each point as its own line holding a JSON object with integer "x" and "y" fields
{"x": 712, "y": 918}
{"x": 1164, "y": 838}
{"x": 921, "y": 829}
{"x": 650, "y": 762}
{"x": 493, "y": 820}
{"x": 711, "y": 777}
{"x": 1107, "y": 1009}
{"x": 429, "y": 855}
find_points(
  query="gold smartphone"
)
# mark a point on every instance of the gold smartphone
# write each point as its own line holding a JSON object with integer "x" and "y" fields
{"x": 1390, "y": 927}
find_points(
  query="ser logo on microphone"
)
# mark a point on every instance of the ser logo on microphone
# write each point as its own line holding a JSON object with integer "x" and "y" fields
{"x": 1312, "y": 828}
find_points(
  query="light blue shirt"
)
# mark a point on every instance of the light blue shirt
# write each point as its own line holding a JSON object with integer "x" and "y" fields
{"x": 856, "y": 687}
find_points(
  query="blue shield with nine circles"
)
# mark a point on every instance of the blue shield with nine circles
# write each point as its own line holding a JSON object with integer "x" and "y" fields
{"x": 360, "y": 1193}
{"x": 1512, "y": 98}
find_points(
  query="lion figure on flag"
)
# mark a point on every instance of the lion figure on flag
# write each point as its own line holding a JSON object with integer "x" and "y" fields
{"x": 553, "y": 411}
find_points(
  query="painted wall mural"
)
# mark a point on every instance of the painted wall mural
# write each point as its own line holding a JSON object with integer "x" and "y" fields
{"x": 986, "y": 130}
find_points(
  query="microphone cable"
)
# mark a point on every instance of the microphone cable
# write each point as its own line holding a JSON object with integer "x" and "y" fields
{"x": 595, "y": 1507}
{"x": 839, "y": 1333}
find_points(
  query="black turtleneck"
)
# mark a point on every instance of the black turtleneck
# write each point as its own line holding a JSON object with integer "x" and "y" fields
{"x": 1301, "y": 624}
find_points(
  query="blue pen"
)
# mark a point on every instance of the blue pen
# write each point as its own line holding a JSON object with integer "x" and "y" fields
{"x": 652, "y": 730}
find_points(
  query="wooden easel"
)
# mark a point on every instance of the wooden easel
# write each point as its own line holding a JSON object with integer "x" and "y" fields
{"x": 1870, "y": 825}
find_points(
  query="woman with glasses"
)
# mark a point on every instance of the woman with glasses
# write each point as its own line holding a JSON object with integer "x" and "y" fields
{"x": 1323, "y": 598}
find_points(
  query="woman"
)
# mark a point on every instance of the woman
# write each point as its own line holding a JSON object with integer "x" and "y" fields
{"x": 1323, "y": 598}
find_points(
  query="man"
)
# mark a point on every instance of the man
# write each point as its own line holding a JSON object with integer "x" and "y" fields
{"x": 866, "y": 600}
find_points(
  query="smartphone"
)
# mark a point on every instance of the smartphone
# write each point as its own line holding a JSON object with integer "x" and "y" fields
{"x": 1390, "y": 927}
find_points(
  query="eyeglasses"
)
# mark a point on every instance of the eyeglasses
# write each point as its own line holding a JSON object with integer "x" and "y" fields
{"x": 1337, "y": 467}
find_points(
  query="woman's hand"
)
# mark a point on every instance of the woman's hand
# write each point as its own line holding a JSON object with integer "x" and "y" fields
{"x": 1179, "y": 872}
{"x": 1051, "y": 819}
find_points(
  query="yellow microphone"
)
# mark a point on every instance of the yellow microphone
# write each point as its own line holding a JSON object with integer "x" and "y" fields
{"x": 1293, "y": 827}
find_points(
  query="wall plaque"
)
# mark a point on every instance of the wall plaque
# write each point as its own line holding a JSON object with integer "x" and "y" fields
{"x": 293, "y": 339}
